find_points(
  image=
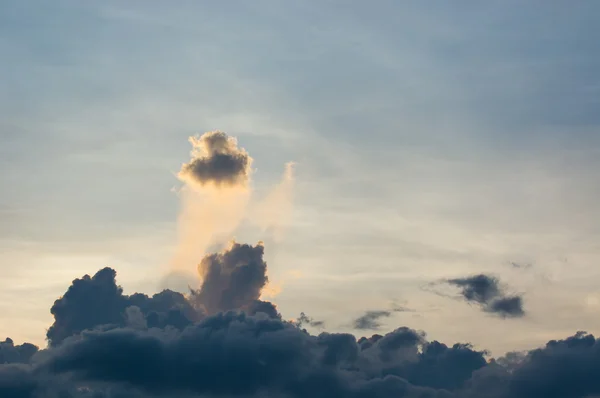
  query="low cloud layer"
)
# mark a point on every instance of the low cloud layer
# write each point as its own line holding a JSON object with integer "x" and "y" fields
{"x": 218, "y": 161}
{"x": 487, "y": 292}
{"x": 104, "y": 344}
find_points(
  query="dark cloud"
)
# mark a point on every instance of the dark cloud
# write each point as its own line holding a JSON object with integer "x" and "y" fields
{"x": 507, "y": 307}
{"x": 305, "y": 320}
{"x": 264, "y": 307}
{"x": 479, "y": 288}
{"x": 94, "y": 301}
{"x": 232, "y": 279}
{"x": 233, "y": 354}
{"x": 11, "y": 353}
{"x": 17, "y": 382}
{"x": 370, "y": 320}
{"x": 216, "y": 160}
{"x": 486, "y": 291}
{"x": 105, "y": 344}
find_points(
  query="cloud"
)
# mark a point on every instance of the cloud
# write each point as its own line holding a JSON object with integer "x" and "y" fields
{"x": 370, "y": 320}
{"x": 304, "y": 319}
{"x": 11, "y": 353}
{"x": 233, "y": 354}
{"x": 507, "y": 307}
{"x": 233, "y": 278}
{"x": 486, "y": 291}
{"x": 94, "y": 301}
{"x": 142, "y": 352}
{"x": 217, "y": 161}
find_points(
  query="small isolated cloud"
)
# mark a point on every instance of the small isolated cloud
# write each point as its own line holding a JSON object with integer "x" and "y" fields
{"x": 305, "y": 320}
{"x": 370, "y": 320}
{"x": 216, "y": 160}
{"x": 486, "y": 291}
{"x": 479, "y": 288}
{"x": 520, "y": 265}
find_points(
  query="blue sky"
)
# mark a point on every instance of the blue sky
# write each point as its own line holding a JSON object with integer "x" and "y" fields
{"x": 432, "y": 140}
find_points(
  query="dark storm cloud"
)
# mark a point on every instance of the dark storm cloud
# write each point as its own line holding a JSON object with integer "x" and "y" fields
{"x": 232, "y": 279}
{"x": 216, "y": 160}
{"x": 236, "y": 354}
{"x": 96, "y": 301}
{"x": 486, "y": 291}
{"x": 17, "y": 382}
{"x": 109, "y": 345}
{"x": 11, "y": 353}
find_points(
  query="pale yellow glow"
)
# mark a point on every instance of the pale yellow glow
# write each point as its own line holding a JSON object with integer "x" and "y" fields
{"x": 208, "y": 217}
{"x": 271, "y": 290}
{"x": 273, "y": 213}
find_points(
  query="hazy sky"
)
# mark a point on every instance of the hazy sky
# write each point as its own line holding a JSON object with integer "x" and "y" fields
{"x": 432, "y": 139}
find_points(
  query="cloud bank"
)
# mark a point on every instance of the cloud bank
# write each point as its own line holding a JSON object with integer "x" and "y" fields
{"x": 222, "y": 341}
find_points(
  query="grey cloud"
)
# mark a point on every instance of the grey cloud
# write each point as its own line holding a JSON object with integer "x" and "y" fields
{"x": 234, "y": 354}
{"x": 486, "y": 291}
{"x": 479, "y": 288}
{"x": 232, "y": 279}
{"x": 370, "y": 320}
{"x": 11, "y": 353}
{"x": 154, "y": 347}
{"x": 507, "y": 307}
{"x": 237, "y": 354}
{"x": 304, "y": 319}
{"x": 216, "y": 160}
{"x": 94, "y": 301}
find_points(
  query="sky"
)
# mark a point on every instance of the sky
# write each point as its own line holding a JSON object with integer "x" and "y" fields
{"x": 432, "y": 142}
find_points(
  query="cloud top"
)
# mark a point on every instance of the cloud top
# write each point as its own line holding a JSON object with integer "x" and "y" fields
{"x": 216, "y": 161}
